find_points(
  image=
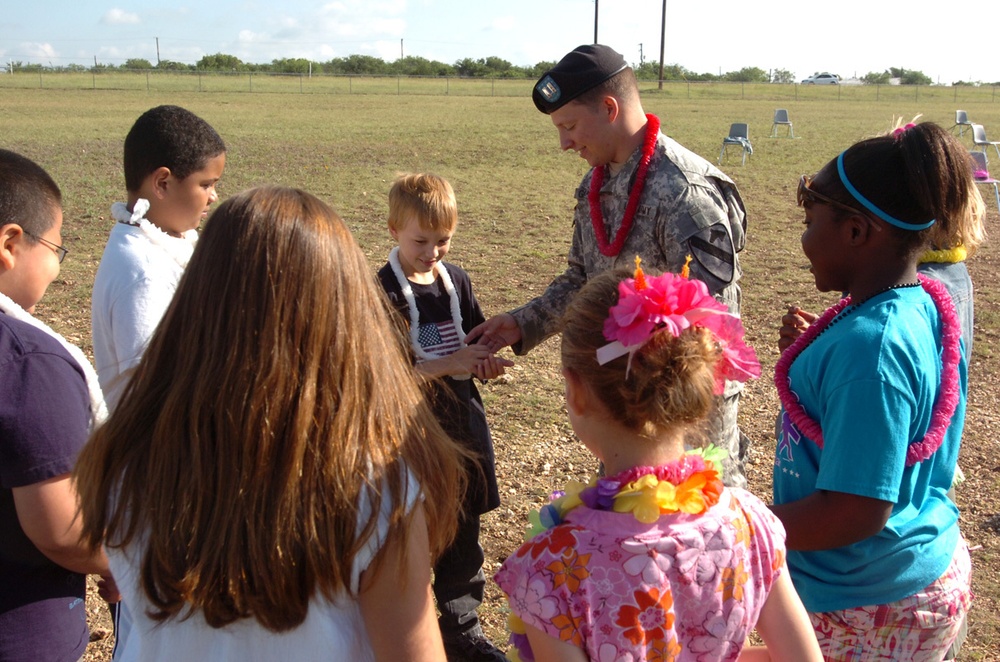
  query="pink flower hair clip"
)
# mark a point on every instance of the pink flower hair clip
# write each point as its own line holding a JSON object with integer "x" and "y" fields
{"x": 900, "y": 130}
{"x": 673, "y": 303}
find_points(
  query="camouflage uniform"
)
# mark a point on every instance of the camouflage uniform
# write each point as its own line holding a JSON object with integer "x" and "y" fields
{"x": 687, "y": 207}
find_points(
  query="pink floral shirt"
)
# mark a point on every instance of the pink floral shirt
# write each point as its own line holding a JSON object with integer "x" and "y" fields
{"x": 687, "y": 587}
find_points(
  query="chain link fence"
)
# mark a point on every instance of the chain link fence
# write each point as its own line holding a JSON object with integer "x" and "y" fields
{"x": 275, "y": 83}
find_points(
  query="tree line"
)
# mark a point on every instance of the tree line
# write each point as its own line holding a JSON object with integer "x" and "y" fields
{"x": 490, "y": 67}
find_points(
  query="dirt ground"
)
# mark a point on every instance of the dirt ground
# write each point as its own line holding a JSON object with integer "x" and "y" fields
{"x": 537, "y": 453}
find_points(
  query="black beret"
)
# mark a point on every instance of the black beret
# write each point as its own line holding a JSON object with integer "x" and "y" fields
{"x": 582, "y": 69}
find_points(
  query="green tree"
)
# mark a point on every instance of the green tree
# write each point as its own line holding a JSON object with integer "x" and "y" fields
{"x": 915, "y": 78}
{"x": 876, "y": 78}
{"x": 137, "y": 63}
{"x": 170, "y": 65}
{"x": 748, "y": 75}
{"x": 357, "y": 65}
{"x": 497, "y": 67}
{"x": 782, "y": 76}
{"x": 414, "y": 65}
{"x": 470, "y": 67}
{"x": 540, "y": 68}
{"x": 298, "y": 65}
{"x": 651, "y": 71}
{"x": 220, "y": 62}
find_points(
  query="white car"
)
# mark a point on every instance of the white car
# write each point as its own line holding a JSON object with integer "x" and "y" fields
{"x": 822, "y": 79}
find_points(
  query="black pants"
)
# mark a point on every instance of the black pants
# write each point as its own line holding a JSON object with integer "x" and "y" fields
{"x": 459, "y": 581}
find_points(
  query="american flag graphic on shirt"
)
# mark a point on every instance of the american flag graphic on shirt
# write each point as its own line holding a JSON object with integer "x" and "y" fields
{"x": 439, "y": 338}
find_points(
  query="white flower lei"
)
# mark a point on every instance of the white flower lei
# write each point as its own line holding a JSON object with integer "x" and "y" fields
{"x": 404, "y": 285}
{"x": 178, "y": 248}
{"x": 98, "y": 410}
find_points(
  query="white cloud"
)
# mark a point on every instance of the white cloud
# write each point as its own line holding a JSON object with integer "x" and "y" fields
{"x": 38, "y": 51}
{"x": 503, "y": 23}
{"x": 120, "y": 17}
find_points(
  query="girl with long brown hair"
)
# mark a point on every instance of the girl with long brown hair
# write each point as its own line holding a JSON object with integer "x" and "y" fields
{"x": 272, "y": 484}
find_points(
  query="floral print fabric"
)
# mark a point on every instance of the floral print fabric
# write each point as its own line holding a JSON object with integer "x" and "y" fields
{"x": 686, "y": 587}
{"x": 919, "y": 628}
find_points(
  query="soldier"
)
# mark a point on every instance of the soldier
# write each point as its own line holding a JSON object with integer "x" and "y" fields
{"x": 645, "y": 195}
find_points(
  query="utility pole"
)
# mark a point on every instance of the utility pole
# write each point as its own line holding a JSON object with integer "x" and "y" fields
{"x": 663, "y": 39}
{"x": 597, "y": 3}
{"x": 641, "y": 59}
{"x": 400, "y": 49}
{"x": 157, "y": 51}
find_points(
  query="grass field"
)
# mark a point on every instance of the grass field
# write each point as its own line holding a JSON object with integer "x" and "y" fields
{"x": 515, "y": 198}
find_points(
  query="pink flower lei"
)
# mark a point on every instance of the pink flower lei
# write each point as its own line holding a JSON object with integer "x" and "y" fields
{"x": 947, "y": 400}
{"x": 673, "y": 303}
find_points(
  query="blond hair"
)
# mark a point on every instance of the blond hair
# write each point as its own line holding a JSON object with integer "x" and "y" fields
{"x": 427, "y": 197}
{"x": 274, "y": 392}
{"x": 670, "y": 383}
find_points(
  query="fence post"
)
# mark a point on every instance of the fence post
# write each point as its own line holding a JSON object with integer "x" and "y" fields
{"x": 878, "y": 86}
{"x": 447, "y": 85}
{"x": 199, "y": 81}
{"x": 493, "y": 87}
{"x": 147, "y": 82}
{"x": 251, "y": 81}
{"x": 350, "y": 84}
{"x": 397, "y": 86}
{"x": 39, "y": 79}
{"x": 689, "y": 89}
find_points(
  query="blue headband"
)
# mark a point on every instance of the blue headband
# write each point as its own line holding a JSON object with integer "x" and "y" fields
{"x": 870, "y": 206}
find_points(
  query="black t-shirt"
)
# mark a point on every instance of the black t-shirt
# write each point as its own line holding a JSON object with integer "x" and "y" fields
{"x": 456, "y": 402}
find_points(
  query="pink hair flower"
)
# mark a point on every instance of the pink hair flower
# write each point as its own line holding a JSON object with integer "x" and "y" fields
{"x": 673, "y": 303}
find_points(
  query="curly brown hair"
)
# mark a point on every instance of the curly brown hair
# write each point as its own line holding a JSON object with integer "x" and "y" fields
{"x": 670, "y": 381}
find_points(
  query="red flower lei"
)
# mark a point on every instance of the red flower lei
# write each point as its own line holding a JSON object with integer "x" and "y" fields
{"x": 594, "y": 196}
{"x": 947, "y": 399}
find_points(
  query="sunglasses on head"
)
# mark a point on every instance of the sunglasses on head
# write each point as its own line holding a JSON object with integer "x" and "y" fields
{"x": 808, "y": 194}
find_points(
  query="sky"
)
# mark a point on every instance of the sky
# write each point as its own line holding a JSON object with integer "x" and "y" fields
{"x": 849, "y": 38}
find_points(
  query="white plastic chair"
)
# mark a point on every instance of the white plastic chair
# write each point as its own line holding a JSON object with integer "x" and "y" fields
{"x": 979, "y": 165}
{"x": 739, "y": 135}
{"x": 961, "y": 121}
{"x": 781, "y": 119}
{"x": 980, "y": 140}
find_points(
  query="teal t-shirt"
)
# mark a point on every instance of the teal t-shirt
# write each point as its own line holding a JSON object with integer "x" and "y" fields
{"x": 871, "y": 381}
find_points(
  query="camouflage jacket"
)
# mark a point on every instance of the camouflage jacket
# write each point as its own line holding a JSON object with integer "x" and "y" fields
{"x": 687, "y": 207}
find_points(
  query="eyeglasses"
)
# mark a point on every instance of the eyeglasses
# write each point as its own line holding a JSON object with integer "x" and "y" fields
{"x": 808, "y": 194}
{"x": 59, "y": 250}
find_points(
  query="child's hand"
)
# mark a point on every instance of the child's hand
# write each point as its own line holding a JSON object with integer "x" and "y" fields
{"x": 466, "y": 360}
{"x": 793, "y": 323}
{"x": 492, "y": 366}
{"x": 496, "y": 333}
